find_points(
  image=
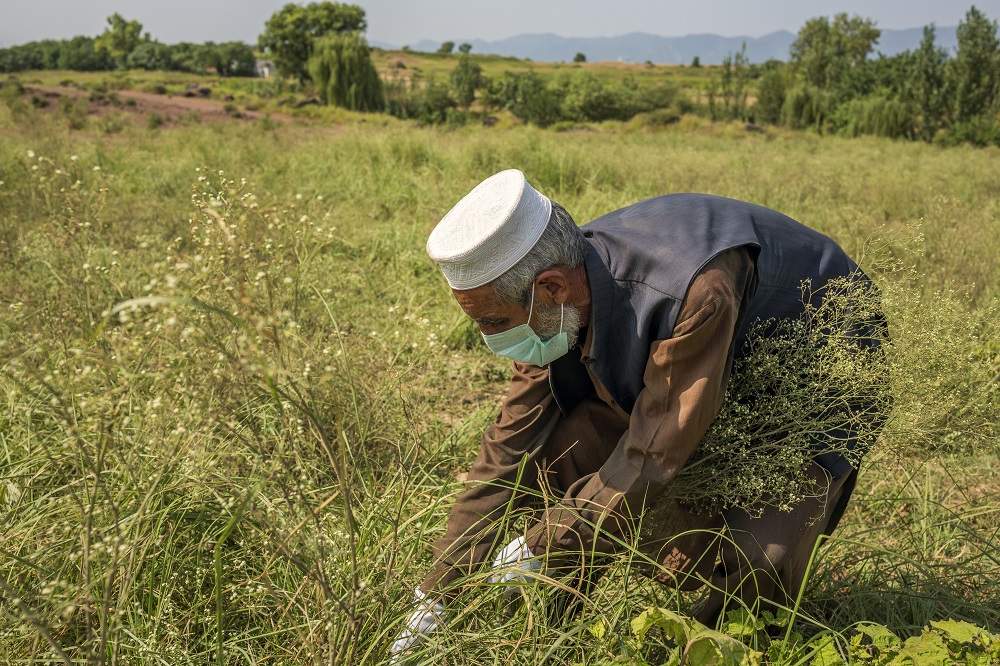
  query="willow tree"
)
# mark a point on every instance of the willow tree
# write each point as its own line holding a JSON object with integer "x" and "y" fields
{"x": 341, "y": 69}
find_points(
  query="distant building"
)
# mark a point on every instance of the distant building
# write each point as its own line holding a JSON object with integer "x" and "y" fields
{"x": 265, "y": 68}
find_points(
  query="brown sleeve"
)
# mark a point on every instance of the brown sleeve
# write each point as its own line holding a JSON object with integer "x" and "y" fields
{"x": 507, "y": 461}
{"x": 684, "y": 385}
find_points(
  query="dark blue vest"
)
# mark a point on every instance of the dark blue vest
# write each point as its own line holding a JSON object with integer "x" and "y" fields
{"x": 641, "y": 260}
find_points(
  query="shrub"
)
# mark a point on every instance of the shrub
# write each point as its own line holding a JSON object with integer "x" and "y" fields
{"x": 771, "y": 89}
{"x": 155, "y": 120}
{"x": 981, "y": 131}
{"x": 342, "y": 70}
{"x": 75, "y": 112}
{"x": 805, "y": 106}
{"x": 876, "y": 116}
{"x": 112, "y": 122}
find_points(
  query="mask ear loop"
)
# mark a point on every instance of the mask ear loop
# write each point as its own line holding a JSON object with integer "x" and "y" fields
{"x": 531, "y": 307}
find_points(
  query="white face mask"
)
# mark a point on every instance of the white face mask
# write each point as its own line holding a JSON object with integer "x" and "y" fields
{"x": 522, "y": 344}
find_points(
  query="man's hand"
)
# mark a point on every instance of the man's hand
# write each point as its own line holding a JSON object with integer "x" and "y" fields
{"x": 519, "y": 561}
{"x": 423, "y": 621}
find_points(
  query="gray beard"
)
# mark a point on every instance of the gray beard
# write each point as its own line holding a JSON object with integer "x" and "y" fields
{"x": 546, "y": 322}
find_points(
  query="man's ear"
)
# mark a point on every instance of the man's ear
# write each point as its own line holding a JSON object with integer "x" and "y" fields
{"x": 553, "y": 286}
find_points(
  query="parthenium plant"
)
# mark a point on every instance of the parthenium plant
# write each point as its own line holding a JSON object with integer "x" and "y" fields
{"x": 804, "y": 386}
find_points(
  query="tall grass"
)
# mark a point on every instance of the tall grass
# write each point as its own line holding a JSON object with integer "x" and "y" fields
{"x": 238, "y": 397}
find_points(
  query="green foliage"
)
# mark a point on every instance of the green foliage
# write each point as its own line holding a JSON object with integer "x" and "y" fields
{"x": 429, "y": 102}
{"x": 78, "y": 53}
{"x": 805, "y": 107}
{"x": 771, "y": 89}
{"x": 927, "y": 85}
{"x": 975, "y": 69}
{"x": 829, "y": 368}
{"x": 689, "y": 642}
{"x": 74, "y": 111}
{"x": 876, "y": 116}
{"x": 885, "y": 76}
{"x": 824, "y": 51}
{"x": 232, "y": 58}
{"x": 980, "y": 131}
{"x": 120, "y": 38}
{"x": 291, "y": 33}
{"x": 696, "y": 62}
{"x": 526, "y": 96}
{"x": 446, "y": 48}
{"x": 342, "y": 70}
{"x": 693, "y": 642}
{"x": 943, "y": 642}
{"x": 465, "y": 48}
{"x": 580, "y": 57}
{"x": 466, "y": 78}
{"x": 730, "y": 87}
{"x": 150, "y": 55}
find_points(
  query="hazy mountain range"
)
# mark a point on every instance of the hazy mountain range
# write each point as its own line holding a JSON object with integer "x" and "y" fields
{"x": 641, "y": 46}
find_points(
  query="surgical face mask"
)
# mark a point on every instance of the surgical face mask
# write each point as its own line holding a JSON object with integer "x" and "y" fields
{"x": 522, "y": 344}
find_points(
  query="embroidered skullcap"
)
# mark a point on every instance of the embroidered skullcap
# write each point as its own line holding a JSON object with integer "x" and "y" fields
{"x": 489, "y": 230}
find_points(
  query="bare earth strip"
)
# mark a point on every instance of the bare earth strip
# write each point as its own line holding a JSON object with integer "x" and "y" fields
{"x": 167, "y": 106}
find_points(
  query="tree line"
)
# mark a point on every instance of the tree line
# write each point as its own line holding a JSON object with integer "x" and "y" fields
{"x": 123, "y": 45}
{"x": 833, "y": 85}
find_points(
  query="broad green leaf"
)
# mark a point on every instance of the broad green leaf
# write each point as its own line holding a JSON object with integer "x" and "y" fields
{"x": 961, "y": 632}
{"x": 674, "y": 626}
{"x": 927, "y": 649}
{"x": 705, "y": 650}
{"x": 715, "y": 648}
{"x": 827, "y": 654}
{"x": 779, "y": 620}
{"x": 881, "y": 637}
{"x": 742, "y": 624}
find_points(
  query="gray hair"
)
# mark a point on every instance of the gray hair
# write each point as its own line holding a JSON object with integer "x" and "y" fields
{"x": 561, "y": 244}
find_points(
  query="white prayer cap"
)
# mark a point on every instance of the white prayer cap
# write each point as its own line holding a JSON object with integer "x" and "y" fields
{"x": 489, "y": 230}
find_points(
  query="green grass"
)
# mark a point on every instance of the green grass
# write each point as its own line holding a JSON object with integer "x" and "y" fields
{"x": 248, "y": 466}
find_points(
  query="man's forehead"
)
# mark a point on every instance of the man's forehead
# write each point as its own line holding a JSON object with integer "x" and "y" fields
{"x": 481, "y": 302}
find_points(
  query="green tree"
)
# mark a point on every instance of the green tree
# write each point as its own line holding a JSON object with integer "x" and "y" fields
{"x": 771, "y": 88}
{"x": 974, "y": 69}
{"x": 342, "y": 69}
{"x": 290, "y": 34}
{"x": 120, "y": 38}
{"x": 465, "y": 79}
{"x": 927, "y": 85}
{"x": 151, "y": 56}
{"x": 733, "y": 84}
{"x": 232, "y": 59}
{"x": 823, "y": 50}
{"x": 80, "y": 54}
{"x": 465, "y": 48}
{"x": 579, "y": 57}
{"x": 189, "y": 57}
{"x": 526, "y": 96}
{"x": 446, "y": 48}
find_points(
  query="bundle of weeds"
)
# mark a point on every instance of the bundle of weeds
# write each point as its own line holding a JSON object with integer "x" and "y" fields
{"x": 818, "y": 384}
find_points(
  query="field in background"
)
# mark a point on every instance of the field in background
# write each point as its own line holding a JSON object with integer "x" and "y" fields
{"x": 256, "y": 97}
{"x": 248, "y": 460}
{"x": 440, "y": 65}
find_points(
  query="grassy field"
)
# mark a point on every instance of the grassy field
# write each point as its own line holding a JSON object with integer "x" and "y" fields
{"x": 238, "y": 396}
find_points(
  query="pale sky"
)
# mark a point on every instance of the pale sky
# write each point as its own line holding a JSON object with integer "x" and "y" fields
{"x": 408, "y": 21}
